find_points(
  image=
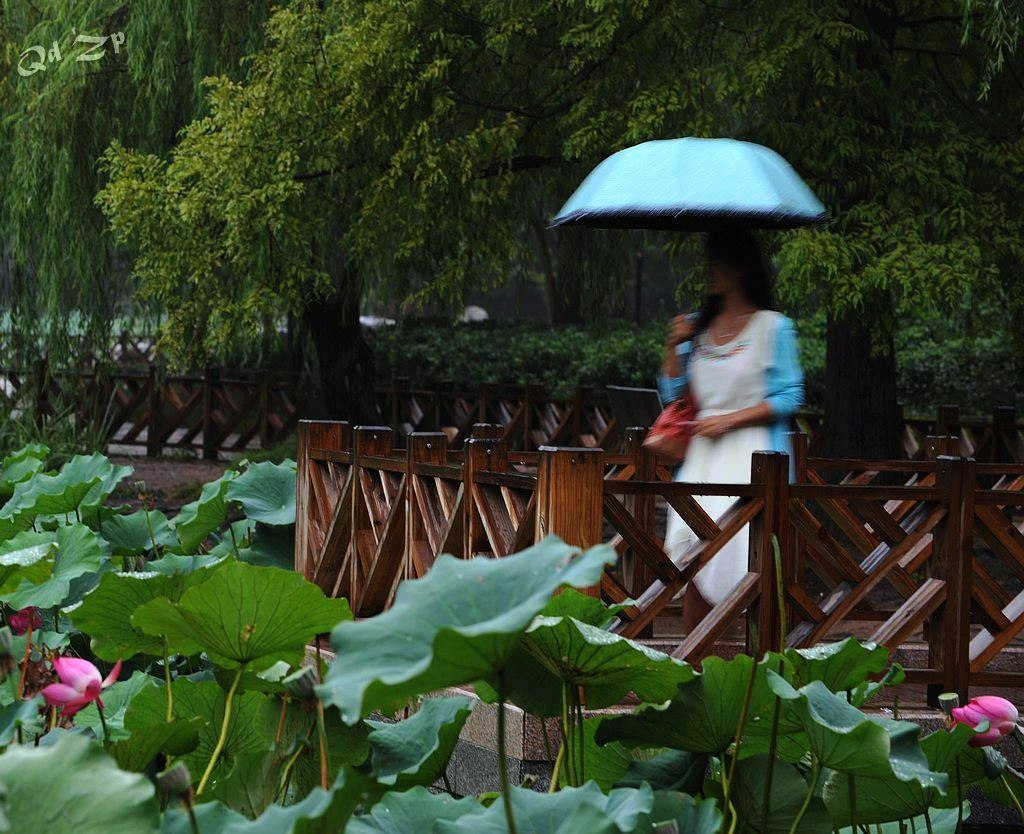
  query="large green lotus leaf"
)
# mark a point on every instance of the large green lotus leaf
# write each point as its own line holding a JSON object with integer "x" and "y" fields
{"x": 83, "y": 482}
{"x": 266, "y": 492}
{"x": 459, "y": 623}
{"x": 20, "y": 715}
{"x": 704, "y": 714}
{"x": 606, "y": 765}
{"x": 251, "y": 784}
{"x": 846, "y": 740}
{"x": 414, "y": 810}
{"x": 207, "y": 513}
{"x": 116, "y": 699}
{"x": 78, "y": 551}
{"x": 885, "y": 799}
{"x": 839, "y": 666}
{"x": 21, "y": 465}
{"x": 251, "y": 727}
{"x": 138, "y": 532}
{"x": 321, "y": 812}
{"x": 605, "y": 666}
{"x": 244, "y": 614}
{"x": 582, "y": 607}
{"x": 584, "y": 810}
{"x": 105, "y": 614}
{"x": 270, "y": 547}
{"x": 671, "y": 770}
{"x": 26, "y": 557}
{"x": 73, "y": 785}
{"x": 787, "y": 795}
{"x": 416, "y": 751}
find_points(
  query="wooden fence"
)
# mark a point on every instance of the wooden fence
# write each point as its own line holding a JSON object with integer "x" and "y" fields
{"x": 532, "y": 418}
{"x": 210, "y": 412}
{"x": 925, "y": 557}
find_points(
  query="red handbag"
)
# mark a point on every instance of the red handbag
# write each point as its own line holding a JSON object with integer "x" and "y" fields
{"x": 671, "y": 433}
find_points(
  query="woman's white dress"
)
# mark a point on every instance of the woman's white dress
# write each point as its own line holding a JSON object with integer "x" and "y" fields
{"x": 722, "y": 379}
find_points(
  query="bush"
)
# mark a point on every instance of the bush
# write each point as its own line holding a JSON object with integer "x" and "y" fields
{"x": 934, "y": 366}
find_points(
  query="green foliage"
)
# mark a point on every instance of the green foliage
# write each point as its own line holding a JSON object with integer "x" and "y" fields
{"x": 216, "y": 647}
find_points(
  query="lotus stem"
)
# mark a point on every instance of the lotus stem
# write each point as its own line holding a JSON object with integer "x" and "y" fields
{"x": 286, "y": 774}
{"x": 852, "y": 783}
{"x": 222, "y": 739}
{"x": 103, "y": 724}
{"x": 807, "y": 799}
{"x": 280, "y": 721}
{"x": 193, "y": 822}
{"x": 1013, "y": 796}
{"x": 167, "y": 684}
{"x": 502, "y": 763}
{"x": 739, "y": 735}
{"x": 928, "y": 822}
{"x": 773, "y": 745}
{"x": 780, "y": 596}
{"x": 322, "y": 733}
{"x": 556, "y": 769}
{"x": 24, "y": 660}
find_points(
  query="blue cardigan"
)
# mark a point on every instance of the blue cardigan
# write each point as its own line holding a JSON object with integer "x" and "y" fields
{"x": 784, "y": 383}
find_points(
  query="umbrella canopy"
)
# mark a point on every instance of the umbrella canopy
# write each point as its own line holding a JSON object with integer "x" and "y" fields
{"x": 693, "y": 185}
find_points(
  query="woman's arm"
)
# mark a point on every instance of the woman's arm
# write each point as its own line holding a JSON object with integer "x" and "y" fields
{"x": 673, "y": 378}
{"x": 784, "y": 389}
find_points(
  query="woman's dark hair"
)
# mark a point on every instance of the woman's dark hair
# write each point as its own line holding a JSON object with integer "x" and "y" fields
{"x": 738, "y": 248}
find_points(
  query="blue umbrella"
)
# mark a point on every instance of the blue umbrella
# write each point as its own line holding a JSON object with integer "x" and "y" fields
{"x": 693, "y": 184}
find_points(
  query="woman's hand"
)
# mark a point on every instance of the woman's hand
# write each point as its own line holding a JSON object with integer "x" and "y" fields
{"x": 712, "y": 427}
{"x": 680, "y": 330}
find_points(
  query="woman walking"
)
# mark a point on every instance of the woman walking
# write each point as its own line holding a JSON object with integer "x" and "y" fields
{"x": 738, "y": 361}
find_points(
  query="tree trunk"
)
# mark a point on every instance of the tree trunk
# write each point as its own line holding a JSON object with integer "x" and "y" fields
{"x": 344, "y": 359}
{"x": 861, "y": 410}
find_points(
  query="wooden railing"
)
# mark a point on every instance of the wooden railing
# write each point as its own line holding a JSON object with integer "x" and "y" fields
{"x": 925, "y": 557}
{"x": 209, "y": 413}
{"x": 532, "y": 418}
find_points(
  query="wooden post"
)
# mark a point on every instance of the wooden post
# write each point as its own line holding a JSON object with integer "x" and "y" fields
{"x": 264, "y": 409}
{"x": 431, "y": 448}
{"x": 570, "y": 497}
{"x": 211, "y": 378}
{"x": 486, "y": 390}
{"x": 153, "y": 445}
{"x": 482, "y": 455}
{"x": 770, "y": 471}
{"x": 936, "y": 446}
{"x": 948, "y": 629}
{"x": 1004, "y": 426}
{"x": 366, "y": 441}
{"x": 636, "y": 572}
{"x": 309, "y": 434}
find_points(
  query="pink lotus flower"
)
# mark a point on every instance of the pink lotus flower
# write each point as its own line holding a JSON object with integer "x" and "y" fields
{"x": 1000, "y": 714}
{"x": 25, "y": 619}
{"x": 80, "y": 684}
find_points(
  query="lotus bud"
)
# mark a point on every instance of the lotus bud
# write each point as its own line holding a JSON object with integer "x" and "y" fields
{"x": 300, "y": 684}
{"x": 1000, "y": 714}
{"x": 176, "y": 780}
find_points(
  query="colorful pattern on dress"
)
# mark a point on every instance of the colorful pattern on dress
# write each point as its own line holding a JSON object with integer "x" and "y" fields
{"x": 705, "y": 351}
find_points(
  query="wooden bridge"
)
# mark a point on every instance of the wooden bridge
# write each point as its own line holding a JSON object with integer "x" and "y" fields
{"x": 925, "y": 557}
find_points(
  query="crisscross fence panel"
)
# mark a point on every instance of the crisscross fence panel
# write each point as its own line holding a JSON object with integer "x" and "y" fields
{"x": 925, "y": 557}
